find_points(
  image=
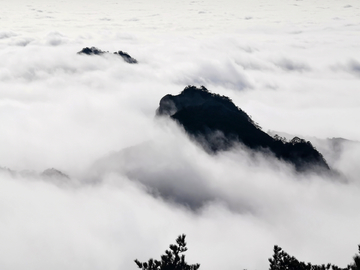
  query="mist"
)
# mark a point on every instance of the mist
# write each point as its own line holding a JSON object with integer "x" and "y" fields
{"x": 137, "y": 181}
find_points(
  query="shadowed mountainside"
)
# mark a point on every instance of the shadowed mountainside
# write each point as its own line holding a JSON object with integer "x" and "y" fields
{"x": 216, "y": 123}
{"x": 54, "y": 173}
{"x": 48, "y": 174}
{"x": 95, "y": 51}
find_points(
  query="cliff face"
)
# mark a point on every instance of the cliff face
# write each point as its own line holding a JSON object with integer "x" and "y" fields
{"x": 218, "y": 124}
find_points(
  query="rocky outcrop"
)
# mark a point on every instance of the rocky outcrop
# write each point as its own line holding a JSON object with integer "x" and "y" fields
{"x": 127, "y": 58}
{"x": 91, "y": 51}
{"x": 95, "y": 51}
{"x": 218, "y": 124}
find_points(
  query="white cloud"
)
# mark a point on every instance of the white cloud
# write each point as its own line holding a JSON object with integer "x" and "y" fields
{"x": 4, "y": 35}
{"x": 65, "y": 111}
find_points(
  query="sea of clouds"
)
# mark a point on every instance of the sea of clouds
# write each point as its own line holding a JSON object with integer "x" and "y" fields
{"x": 136, "y": 181}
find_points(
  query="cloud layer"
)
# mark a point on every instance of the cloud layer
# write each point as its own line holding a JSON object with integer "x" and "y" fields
{"x": 137, "y": 182}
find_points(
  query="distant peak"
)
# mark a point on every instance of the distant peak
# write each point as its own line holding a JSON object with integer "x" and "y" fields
{"x": 95, "y": 51}
{"x": 127, "y": 58}
{"x": 91, "y": 51}
{"x": 54, "y": 173}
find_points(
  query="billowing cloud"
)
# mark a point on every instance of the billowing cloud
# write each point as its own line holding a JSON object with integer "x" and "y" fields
{"x": 135, "y": 181}
{"x": 4, "y": 35}
{"x": 289, "y": 65}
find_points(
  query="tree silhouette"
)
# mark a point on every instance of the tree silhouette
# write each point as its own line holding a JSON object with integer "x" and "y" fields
{"x": 283, "y": 261}
{"x": 173, "y": 259}
{"x": 356, "y": 264}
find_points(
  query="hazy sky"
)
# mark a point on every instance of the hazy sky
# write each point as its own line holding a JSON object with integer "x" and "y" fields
{"x": 294, "y": 66}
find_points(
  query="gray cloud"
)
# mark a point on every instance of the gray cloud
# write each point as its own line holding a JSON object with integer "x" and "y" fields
{"x": 4, "y": 35}
{"x": 290, "y": 65}
{"x": 351, "y": 66}
{"x": 354, "y": 66}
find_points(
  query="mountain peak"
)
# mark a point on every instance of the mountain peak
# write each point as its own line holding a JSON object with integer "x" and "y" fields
{"x": 218, "y": 124}
{"x": 193, "y": 96}
{"x": 95, "y": 51}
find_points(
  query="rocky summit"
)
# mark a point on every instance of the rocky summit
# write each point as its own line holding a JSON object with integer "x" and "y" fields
{"x": 218, "y": 125}
{"x": 95, "y": 51}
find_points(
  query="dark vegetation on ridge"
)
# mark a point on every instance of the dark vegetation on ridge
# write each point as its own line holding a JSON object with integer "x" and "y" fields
{"x": 218, "y": 125}
{"x": 91, "y": 51}
{"x": 95, "y": 51}
{"x": 283, "y": 261}
{"x": 172, "y": 260}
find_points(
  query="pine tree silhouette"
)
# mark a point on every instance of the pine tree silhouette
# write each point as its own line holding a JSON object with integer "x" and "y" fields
{"x": 283, "y": 261}
{"x": 356, "y": 264}
{"x": 173, "y": 259}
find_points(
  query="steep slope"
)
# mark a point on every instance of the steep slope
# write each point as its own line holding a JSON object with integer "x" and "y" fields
{"x": 218, "y": 124}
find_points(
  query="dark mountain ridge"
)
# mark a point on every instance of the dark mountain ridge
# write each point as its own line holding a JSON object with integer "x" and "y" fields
{"x": 218, "y": 124}
{"x": 95, "y": 51}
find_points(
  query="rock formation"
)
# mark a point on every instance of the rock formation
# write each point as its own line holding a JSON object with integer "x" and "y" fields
{"x": 95, "y": 51}
{"x": 218, "y": 124}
